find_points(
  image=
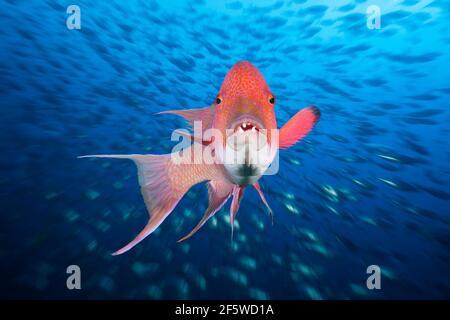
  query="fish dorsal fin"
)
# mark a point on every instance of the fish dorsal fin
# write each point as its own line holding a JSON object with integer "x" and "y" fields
{"x": 205, "y": 115}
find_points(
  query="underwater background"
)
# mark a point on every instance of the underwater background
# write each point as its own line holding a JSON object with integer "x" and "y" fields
{"x": 369, "y": 185}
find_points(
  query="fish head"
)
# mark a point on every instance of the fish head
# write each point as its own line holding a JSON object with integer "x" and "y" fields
{"x": 244, "y": 101}
{"x": 244, "y": 114}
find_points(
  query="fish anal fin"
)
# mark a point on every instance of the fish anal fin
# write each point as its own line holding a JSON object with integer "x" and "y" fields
{"x": 219, "y": 191}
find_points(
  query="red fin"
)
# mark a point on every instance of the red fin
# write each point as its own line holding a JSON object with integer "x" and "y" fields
{"x": 238, "y": 193}
{"x": 218, "y": 194}
{"x": 261, "y": 194}
{"x": 191, "y": 115}
{"x": 298, "y": 126}
{"x": 163, "y": 184}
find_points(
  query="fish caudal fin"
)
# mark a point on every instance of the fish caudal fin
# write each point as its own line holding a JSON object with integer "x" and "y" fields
{"x": 261, "y": 194}
{"x": 298, "y": 126}
{"x": 218, "y": 193}
{"x": 238, "y": 193}
{"x": 163, "y": 184}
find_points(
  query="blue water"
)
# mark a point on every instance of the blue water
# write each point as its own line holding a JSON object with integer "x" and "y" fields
{"x": 369, "y": 184}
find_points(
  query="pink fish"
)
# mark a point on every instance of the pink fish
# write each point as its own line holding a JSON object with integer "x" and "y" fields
{"x": 244, "y": 107}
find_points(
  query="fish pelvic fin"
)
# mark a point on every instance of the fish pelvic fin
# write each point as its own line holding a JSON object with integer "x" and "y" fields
{"x": 163, "y": 183}
{"x": 238, "y": 193}
{"x": 219, "y": 192}
{"x": 298, "y": 126}
{"x": 261, "y": 194}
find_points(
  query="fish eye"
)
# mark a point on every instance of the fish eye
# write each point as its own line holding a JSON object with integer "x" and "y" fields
{"x": 272, "y": 100}
{"x": 218, "y": 100}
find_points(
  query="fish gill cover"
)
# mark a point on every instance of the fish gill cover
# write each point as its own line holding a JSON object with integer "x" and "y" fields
{"x": 370, "y": 185}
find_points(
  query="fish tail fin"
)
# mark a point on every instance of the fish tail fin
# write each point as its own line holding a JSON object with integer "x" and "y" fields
{"x": 261, "y": 194}
{"x": 163, "y": 183}
{"x": 148, "y": 229}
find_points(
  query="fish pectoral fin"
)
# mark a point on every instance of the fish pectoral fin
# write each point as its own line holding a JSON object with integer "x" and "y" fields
{"x": 163, "y": 183}
{"x": 261, "y": 194}
{"x": 219, "y": 191}
{"x": 205, "y": 115}
{"x": 298, "y": 126}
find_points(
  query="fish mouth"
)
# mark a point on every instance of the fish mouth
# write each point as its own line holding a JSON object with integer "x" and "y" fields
{"x": 246, "y": 123}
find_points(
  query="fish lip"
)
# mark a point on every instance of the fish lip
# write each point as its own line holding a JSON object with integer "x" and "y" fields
{"x": 253, "y": 121}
